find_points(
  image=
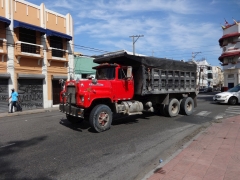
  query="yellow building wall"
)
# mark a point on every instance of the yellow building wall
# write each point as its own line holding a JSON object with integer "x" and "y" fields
{"x": 2, "y": 9}
{"x": 33, "y": 16}
{"x": 56, "y": 25}
{"x": 56, "y": 68}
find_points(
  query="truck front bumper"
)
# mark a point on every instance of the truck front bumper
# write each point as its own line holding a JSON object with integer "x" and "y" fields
{"x": 71, "y": 110}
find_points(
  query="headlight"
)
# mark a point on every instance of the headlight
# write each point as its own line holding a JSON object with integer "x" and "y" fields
{"x": 82, "y": 98}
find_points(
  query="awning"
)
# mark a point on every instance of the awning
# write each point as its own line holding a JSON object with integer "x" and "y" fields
{"x": 57, "y": 77}
{"x": 4, "y": 75}
{"x": 7, "y": 21}
{"x": 31, "y": 76}
{"x": 237, "y": 53}
{"x": 28, "y": 26}
{"x": 55, "y": 33}
{"x": 227, "y": 36}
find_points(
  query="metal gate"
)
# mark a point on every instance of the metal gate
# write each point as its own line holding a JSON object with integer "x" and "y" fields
{"x": 56, "y": 89}
{"x": 30, "y": 93}
{"x": 3, "y": 95}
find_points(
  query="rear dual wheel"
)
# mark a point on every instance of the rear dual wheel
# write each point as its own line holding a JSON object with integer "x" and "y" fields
{"x": 187, "y": 106}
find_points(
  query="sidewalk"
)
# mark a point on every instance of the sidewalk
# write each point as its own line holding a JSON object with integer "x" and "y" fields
{"x": 212, "y": 155}
{"x": 32, "y": 111}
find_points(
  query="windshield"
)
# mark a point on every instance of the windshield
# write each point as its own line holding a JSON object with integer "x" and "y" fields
{"x": 234, "y": 89}
{"x": 105, "y": 73}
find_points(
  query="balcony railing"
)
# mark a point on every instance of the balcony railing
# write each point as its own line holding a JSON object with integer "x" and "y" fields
{"x": 29, "y": 49}
{"x": 3, "y": 46}
{"x": 57, "y": 54}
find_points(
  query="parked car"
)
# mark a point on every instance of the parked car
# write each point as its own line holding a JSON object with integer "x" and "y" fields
{"x": 232, "y": 96}
{"x": 206, "y": 89}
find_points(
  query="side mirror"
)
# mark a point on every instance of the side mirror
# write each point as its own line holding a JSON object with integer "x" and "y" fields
{"x": 129, "y": 72}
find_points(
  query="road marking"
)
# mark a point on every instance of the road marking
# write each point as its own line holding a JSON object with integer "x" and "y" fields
{"x": 232, "y": 112}
{"x": 7, "y": 145}
{"x": 233, "y": 107}
{"x": 203, "y": 113}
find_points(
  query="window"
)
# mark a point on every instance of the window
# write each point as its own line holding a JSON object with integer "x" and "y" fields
{"x": 209, "y": 68}
{"x": 231, "y": 76}
{"x": 56, "y": 42}
{"x": 230, "y": 40}
{"x": 28, "y": 36}
{"x": 210, "y": 75}
{"x": 230, "y": 60}
{"x": 122, "y": 73}
{"x": 105, "y": 73}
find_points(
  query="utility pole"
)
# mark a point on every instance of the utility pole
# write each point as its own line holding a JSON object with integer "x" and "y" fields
{"x": 137, "y": 36}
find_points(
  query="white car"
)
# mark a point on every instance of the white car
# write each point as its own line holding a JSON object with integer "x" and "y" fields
{"x": 232, "y": 96}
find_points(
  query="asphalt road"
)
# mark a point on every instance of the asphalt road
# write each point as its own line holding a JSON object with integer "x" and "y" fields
{"x": 46, "y": 146}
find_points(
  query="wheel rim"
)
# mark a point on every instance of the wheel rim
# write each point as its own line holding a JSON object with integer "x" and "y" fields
{"x": 174, "y": 108}
{"x": 103, "y": 119}
{"x": 189, "y": 106}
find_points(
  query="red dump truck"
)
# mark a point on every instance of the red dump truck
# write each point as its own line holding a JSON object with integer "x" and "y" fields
{"x": 130, "y": 84}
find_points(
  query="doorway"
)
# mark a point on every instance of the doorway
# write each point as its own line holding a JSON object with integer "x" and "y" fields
{"x": 56, "y": 89}
{"x": 230, "y": 85}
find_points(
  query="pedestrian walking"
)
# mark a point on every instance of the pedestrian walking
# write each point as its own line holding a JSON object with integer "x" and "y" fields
{"x": 14, "y": 97}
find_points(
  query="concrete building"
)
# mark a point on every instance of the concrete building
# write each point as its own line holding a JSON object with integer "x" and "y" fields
{"x": 217, "y": 77}
{"x": 206, "y": 77}
{"x": 83, "y": 67}
{"x": 230, "y": 57}
{"x": 35, "y": 52}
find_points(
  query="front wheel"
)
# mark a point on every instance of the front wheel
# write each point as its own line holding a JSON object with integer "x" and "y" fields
{"x": 232, "y": 101}
{"x": 73, "y": 119}
{"x": 100, "y": 118}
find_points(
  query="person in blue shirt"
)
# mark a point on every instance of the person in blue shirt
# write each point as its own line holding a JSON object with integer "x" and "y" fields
{"x": 14, "y": 97}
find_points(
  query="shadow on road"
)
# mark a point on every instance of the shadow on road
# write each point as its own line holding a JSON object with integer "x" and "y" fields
{"x": 117, "y": 120}
{"x": 9, "y": 169}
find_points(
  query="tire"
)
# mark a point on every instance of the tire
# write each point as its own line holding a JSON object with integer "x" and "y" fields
{"x": 73, "y": 119}
{"x": 233, "y": 101}
{"x": 187, "y": 106}
{"x": 100, "y": 118}
{"x": 173, "y": 108}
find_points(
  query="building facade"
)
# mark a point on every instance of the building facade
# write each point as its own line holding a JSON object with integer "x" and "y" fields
{"x": 206, "y": 75}
{"x": 217, "y": 77}
{"x": 83, "y": 67}
{"x": 230, "y": 57}
{"x": 36, "y": 51}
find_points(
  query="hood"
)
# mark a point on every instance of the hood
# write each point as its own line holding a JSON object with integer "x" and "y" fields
{"x": 225, "y": 93}
{"x": 88, "y": 85}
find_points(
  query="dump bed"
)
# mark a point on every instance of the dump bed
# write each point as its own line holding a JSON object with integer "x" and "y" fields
{"x": 155, "y": 75}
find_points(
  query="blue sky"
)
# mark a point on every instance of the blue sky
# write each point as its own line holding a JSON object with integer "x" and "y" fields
{"x": 171, "y": 28}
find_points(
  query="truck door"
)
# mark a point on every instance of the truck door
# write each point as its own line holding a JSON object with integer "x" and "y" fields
{"x": 124, "y": 87}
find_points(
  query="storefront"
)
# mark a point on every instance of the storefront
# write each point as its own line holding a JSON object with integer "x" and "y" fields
{"x": 30, "y": 90}
{"x": 4, "y": 92}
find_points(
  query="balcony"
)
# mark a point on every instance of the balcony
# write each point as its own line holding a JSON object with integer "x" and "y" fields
{"x": 24, "y": 49}
{"x": 3, "y": 46}
{"x": 57, "y": 54}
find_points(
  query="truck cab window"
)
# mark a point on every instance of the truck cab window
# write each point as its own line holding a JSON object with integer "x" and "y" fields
{"x": 105, "y": 73}
{"x": 122, "y": 73}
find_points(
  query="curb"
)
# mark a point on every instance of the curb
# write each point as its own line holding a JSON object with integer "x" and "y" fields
{"x": 35, "y": 111}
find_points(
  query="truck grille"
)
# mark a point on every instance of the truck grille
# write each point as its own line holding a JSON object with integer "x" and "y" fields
{"x": 71, "y": 90}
